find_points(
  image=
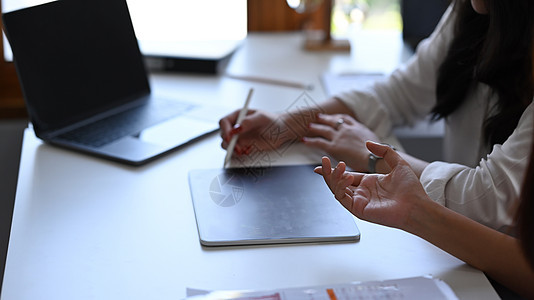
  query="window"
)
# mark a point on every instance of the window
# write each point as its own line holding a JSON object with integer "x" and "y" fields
{"x": 365, "y": 14}
{"x": 162, "y": 22}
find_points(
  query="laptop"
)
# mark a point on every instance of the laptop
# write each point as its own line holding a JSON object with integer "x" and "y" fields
{"x": 267, "y": 205}
{"x": 86, "y": 87}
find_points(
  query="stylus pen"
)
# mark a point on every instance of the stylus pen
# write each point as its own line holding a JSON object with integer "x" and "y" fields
{"x": 240, "y": 118}
{"x": 273, "y": 81}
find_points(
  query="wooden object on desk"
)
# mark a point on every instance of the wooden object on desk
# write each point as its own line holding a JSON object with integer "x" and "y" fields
{"x": 11, "y": 99}
{"x": 268, "y": 15}
{"x": 321, "y": 40}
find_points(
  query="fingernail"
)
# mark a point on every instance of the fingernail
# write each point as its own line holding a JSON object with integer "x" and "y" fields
{"x": 237, "y": 150}
{"x": 237, "y": 129}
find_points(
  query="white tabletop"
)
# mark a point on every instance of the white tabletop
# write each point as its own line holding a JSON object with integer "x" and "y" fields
{"x": 86, "y": 228}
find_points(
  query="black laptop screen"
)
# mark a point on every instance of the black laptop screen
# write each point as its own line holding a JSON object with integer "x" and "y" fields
{"x": 75, "y": 58}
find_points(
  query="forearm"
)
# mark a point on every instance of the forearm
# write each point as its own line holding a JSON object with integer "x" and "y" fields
{"x": 495, "y": 253}
{"x": 336, "y": 106}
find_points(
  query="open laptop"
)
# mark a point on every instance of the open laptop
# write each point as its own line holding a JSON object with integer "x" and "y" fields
{"x": 86, "y": 87}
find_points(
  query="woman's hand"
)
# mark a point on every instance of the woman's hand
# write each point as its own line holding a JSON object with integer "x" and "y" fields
{"x": 384, "y": 199}
{"x": 342, "y": 137}
{"x": 259, "y": 131}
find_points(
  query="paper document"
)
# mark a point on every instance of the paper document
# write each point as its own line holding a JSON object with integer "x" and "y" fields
{"x": 334, "y": 83}
{"x": 408, "y": 288}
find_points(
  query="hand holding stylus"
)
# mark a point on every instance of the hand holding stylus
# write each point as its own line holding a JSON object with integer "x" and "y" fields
{"x": 233, "y": 140}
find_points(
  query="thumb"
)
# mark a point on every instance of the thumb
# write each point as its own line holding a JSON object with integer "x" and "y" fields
{"x": 390, "y": 156}
{"x": 248, "y": 123}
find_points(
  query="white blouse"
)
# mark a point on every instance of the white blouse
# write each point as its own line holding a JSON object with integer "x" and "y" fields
{"x": 480, "y": 183}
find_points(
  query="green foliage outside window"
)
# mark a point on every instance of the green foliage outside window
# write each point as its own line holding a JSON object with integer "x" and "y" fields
{"x": 365, "y": 14}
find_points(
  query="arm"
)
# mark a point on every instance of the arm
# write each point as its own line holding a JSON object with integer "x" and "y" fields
{"x": 364, "y": 103}
{"x": 407, "y": 95}
{"x": 400, "y": 86}
{"x": 290, "y": 126}
{"x": 496, "y": 254}
{"x": 485, "y": 192}
{"x": 398, "y": 200}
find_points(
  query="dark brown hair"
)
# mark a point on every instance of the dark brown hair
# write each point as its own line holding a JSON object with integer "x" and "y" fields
{"x": 525, "y": 211}
{"x": 494, "y": 49}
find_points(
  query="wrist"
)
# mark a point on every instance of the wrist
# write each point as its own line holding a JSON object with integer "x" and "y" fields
{"x": 298, "y": 122}
{"x": 376, "y": 163}
{"x": 422, "y": 217}
{"x": 287, "y": 128}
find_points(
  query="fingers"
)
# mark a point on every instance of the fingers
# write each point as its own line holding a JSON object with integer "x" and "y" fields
{"x": 238, "y": 149}
{"x": 318, "y": 170}
{"x": 357, "y": 178}
{"x": 334, "y": 177}
{"x": 332, "y": 120}
{"x": 326, "y": 166}
{"x": 342, "y": 183}
{"x": 229, "y": 127}
{"x": 237, "y": 129}
{"x": 339, "y": 170}
{"x": 317, "y": 142}
{"x": 323, "y": 132}
{"x": 342, "y": 189}
{"x": 320, "y": 130}
{"x": 391, "y": 157}
{"x": 227, "y": 123}
{"x": 326, "y": 125}
{"x": 345, "y": 193}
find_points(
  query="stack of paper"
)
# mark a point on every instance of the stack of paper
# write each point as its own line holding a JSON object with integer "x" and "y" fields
{"x": 407, "y": 288}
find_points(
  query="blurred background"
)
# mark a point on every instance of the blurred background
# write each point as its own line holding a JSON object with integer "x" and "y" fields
{"x": 232, "y": 19}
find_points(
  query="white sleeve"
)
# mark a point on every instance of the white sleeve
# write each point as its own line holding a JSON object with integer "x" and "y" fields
{"x": 487, "y": 192}
{"x": 408, "y": 94}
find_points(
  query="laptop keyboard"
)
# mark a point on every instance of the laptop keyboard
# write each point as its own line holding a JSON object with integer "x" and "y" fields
{"x": 127, "y": 123}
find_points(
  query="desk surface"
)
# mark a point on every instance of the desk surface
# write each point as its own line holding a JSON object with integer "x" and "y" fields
{"x": 86, "y": 228}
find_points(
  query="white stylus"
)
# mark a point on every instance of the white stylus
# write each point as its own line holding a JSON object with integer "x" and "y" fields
{"x": 240, "y": 118}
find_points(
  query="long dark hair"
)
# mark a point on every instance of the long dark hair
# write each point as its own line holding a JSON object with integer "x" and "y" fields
{"x": 525, "y": 211}
{"x": 494, "y": 49}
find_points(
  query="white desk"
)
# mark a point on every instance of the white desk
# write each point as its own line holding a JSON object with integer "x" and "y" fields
{"x": 86, "y": 228}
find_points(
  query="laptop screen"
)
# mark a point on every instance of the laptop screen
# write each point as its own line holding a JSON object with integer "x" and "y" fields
{"x": 72, "y": 65}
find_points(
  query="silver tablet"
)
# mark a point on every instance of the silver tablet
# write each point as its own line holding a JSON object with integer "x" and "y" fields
{"x": 273, "y": 205}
